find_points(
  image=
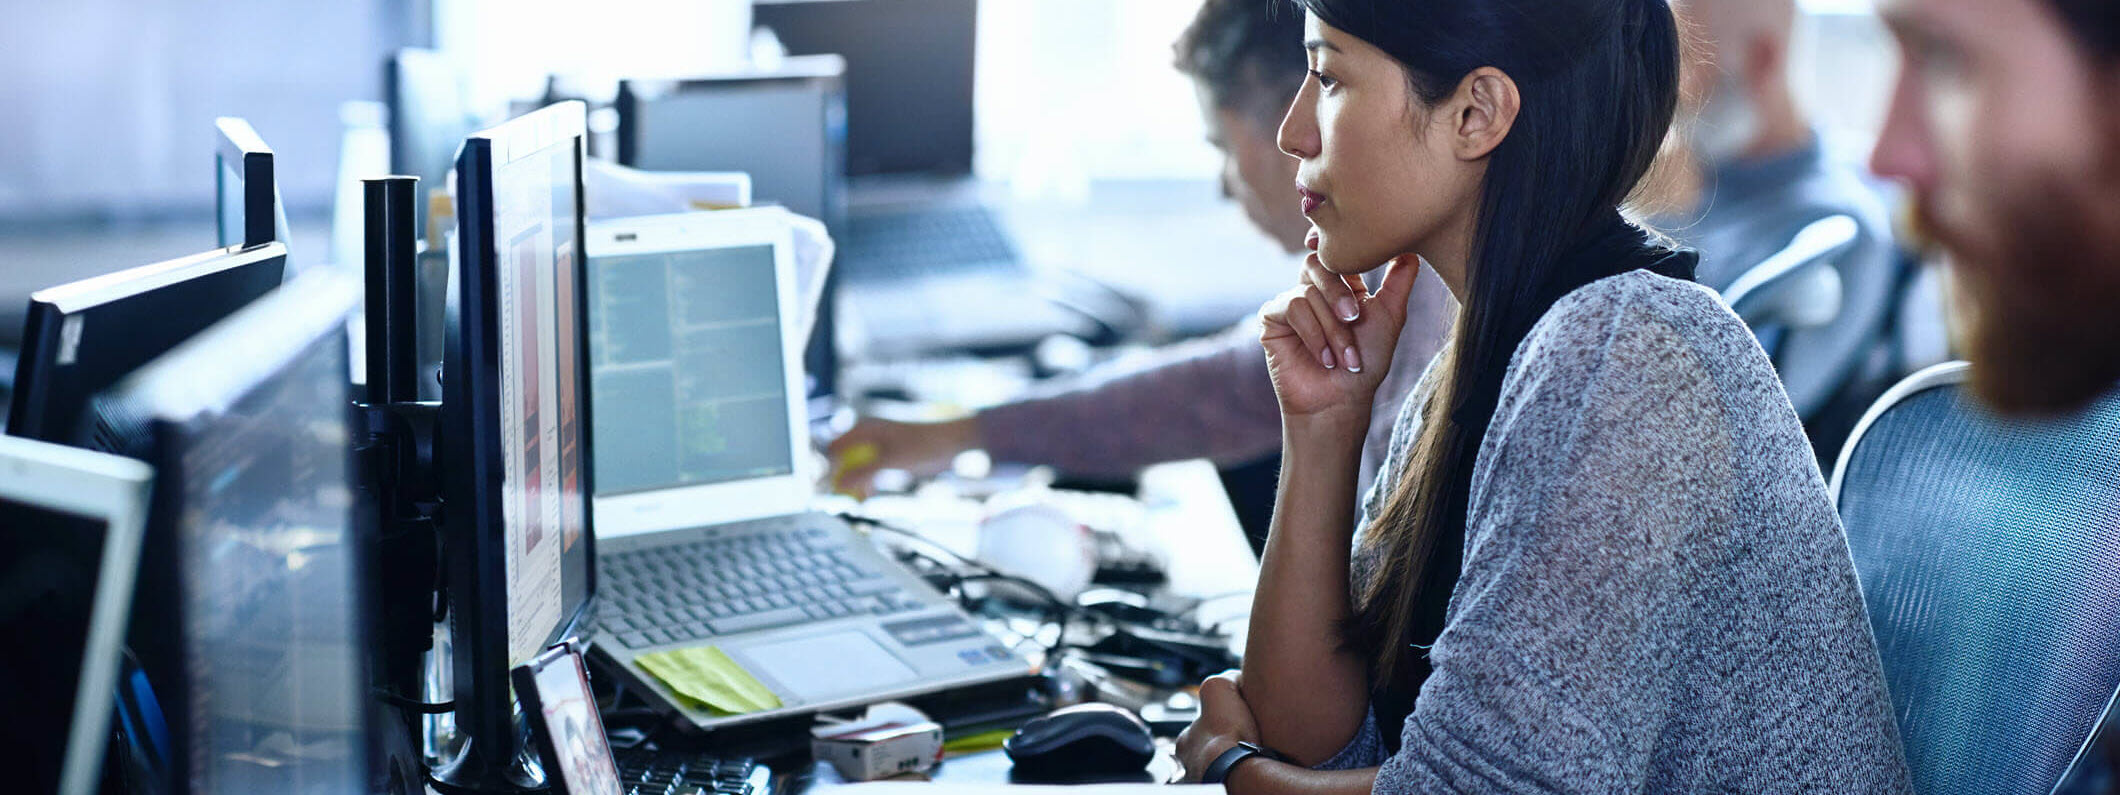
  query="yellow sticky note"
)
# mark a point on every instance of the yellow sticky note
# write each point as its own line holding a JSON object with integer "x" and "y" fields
{"x": 975, "y": 743}
{"x": 706, "y": 675}
{"x": 855, "y": 457}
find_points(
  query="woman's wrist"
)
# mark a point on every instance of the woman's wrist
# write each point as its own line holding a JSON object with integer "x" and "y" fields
{"x": 1330, "y": 429}
{"x": 1248, "y": 777}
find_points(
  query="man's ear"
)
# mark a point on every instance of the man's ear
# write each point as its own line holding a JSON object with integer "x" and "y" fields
{"x": 1486, "y": 103}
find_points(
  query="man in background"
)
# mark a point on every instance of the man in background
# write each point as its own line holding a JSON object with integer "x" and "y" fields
{"x": 2005, "y": 126}
{"x": 1207, "y": 399}
{"x": 1754, "y": 174}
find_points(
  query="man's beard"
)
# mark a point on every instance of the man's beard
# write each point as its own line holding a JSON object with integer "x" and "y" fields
{"x": 2041, "y": 298}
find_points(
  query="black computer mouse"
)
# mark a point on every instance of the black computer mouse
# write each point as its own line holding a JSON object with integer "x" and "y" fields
{"x": 1086, "y": 739}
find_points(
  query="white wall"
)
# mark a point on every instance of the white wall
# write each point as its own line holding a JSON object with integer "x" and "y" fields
{"x": 1073, "y": 90}
{"x": 1077, "y": 90}
{"x": 110, "y": 103}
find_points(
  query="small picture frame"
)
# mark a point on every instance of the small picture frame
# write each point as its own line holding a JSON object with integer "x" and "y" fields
{"x": 570, "y": 734}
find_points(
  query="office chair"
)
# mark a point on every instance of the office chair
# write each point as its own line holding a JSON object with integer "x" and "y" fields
{"x": 1989, "y": 555}
{"x": 1799, "y": 286}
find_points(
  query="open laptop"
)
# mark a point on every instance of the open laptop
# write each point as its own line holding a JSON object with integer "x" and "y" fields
{"x": 704, "y": 475}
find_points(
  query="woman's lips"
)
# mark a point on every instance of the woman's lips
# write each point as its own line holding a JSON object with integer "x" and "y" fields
{"x": 1310, "y": 241}
{"x": 1311, "y": 199}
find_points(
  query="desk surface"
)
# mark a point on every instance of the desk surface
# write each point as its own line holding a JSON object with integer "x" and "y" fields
{"x": 993, "y": 767}
{"x": 1188, "y": 518}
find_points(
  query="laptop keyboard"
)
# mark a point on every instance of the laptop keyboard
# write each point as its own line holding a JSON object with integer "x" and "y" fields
{"x": 744, "y": 583}
{"x": 923, "y": 243}
{"x": 665, "y": 773}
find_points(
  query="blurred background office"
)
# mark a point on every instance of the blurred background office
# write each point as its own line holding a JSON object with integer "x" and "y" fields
{"x": 1086, "y": 150}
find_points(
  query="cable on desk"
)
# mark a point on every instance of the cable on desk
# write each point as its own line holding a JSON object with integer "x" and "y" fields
{"x": 1062, "y": 613}
{"x": 414, "y": 706}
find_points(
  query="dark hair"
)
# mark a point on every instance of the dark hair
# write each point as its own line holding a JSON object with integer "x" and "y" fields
{"x": 2095, "y": 24}
{"x": 1599, "y": 85}
{"x": 1248, "y": 54}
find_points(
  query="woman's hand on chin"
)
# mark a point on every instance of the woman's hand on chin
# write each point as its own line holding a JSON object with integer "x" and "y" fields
{"x": 1326, "y": 364}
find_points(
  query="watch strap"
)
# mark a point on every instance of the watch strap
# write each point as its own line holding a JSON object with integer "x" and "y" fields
{"x": 1218, "y": 770}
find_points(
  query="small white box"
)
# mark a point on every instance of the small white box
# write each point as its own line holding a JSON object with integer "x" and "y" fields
{"x": 893, "y": 739}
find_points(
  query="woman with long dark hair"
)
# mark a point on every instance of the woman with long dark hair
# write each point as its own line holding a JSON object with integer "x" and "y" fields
{"x": 1600, "y": 557}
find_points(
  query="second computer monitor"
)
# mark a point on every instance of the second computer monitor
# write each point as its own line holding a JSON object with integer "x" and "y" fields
{"x": 246, "y": 193}
{"x": 247, "y": 616}
{"x": 516, "y": 408}
{"x": 84, "y": 336}
{"x": 909, "y": 76}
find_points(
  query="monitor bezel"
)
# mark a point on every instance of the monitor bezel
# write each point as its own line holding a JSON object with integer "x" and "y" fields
{"x": 240, "y": 143}
{"x": 114, "y": 491}
{"x": 52, "y": 309}
{"x": 471, "y": 411}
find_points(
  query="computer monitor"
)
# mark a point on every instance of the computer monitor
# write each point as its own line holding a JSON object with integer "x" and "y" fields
{"x": 84, "y": 336}
{"x": 429, "y": 119}
{"x": 248, "y": 612}
{"x": 785, "y": 126}
{"x": 70, "y": 524}
{"x": 909, "y": 76}
{"x": 516, "y": 415}
{"x": 247, "y": 204}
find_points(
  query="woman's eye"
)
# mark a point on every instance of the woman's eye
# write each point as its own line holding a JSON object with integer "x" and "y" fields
{"x": 1325, "y": 81}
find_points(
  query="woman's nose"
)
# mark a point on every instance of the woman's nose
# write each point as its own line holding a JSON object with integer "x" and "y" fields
{"x": 1299, "y": 129}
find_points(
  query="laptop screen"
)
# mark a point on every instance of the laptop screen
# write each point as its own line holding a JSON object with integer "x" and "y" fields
{"x": 688, "y": 373}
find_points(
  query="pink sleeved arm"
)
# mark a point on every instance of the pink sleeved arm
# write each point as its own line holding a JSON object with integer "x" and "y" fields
{"x": 1211, "y": 398}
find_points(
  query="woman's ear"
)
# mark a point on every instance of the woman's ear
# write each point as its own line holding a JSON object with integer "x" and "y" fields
{"x": 1487, "y": 103}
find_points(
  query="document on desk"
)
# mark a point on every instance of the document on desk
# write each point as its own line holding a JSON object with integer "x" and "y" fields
{"x": 932, "y": 788}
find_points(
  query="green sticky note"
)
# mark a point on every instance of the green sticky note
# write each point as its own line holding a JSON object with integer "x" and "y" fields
{"x": 706, "y": 675}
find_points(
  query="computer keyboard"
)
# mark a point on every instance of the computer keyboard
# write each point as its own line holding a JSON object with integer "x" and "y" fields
{"x": 922, "y": 243}
{"x": 725, "y": 585}
{"x": 665, "y": 773}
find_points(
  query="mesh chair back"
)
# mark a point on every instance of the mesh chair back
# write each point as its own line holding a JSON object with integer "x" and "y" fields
{"x": 1989, "y": 554}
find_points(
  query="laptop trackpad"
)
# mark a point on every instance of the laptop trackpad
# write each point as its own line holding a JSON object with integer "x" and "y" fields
{"x": 827, "y": 666}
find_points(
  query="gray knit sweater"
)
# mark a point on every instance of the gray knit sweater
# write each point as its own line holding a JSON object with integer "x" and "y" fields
{"x": 1656, "y": 593}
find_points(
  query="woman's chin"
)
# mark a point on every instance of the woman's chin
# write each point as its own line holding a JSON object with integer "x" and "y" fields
{"x": 1340, "y": 259}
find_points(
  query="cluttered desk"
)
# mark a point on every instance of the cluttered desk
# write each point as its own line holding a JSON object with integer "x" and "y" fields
{"x": 610, "y": 519}
{"x": 735, "y": 599}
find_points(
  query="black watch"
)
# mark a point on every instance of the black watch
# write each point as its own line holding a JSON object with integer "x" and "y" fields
{"x": 1218, "y": 770}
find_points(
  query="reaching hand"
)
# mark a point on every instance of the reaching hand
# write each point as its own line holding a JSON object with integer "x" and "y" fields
{"x": 1329, "y": 341}
{"x": 922, "y": 448}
